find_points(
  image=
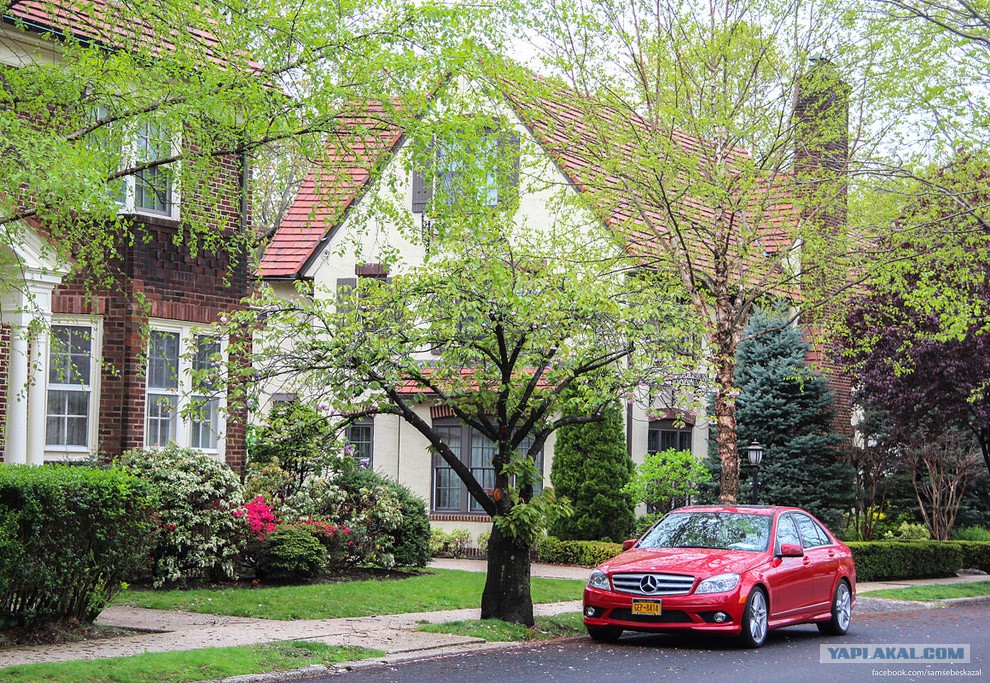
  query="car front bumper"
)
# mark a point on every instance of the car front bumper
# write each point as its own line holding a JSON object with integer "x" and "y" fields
{"x": 678, "y": 613}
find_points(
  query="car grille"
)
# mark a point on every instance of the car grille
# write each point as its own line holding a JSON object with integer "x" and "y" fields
{"x": 653, "y": 584}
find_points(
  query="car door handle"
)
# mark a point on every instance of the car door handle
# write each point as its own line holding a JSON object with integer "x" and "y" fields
{"x": 831, "y": 553}
{"x": 807, "y": 561}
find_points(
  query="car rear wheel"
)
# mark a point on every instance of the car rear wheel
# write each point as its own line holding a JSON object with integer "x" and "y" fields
{"x": 838, "y": 625}
{"x": 755, "y": 617}
{"x": 604, "y": 634}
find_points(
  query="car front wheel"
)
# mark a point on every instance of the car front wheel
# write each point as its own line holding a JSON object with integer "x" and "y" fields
{"x": 604, "y": 634}
{"x": 838, "y": 625}
{"x": 755, "y": 617}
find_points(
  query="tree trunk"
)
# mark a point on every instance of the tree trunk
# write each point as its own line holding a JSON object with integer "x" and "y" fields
{"x": 725, "y": 416}
{"x": 507, "y": 595}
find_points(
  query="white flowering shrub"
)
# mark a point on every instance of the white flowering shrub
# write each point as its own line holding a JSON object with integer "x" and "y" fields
{"x": 199, "y": 536}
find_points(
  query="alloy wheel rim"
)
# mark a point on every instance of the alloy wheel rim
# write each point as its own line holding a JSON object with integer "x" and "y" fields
{"x": 758, "y": 618}
{"x": 842, "y": 608}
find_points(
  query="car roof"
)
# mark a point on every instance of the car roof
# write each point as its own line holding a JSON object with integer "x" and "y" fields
{"x": 768, "y": 510}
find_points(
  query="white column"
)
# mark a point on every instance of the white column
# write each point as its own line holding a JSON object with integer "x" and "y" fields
{"x": 38, "y": 399}
{"x": 17, "y": 400}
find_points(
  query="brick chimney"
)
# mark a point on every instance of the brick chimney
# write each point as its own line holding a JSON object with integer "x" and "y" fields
{"x": 821, "y": 145}
{"x": 821, "y": 173}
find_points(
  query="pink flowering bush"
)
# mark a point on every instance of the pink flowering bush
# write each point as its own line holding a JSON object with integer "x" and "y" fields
{"x": 259, "y": 517}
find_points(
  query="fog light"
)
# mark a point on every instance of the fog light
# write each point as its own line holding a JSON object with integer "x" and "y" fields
{"x": 590, "y": 611}
{"x": 721, "y": 617}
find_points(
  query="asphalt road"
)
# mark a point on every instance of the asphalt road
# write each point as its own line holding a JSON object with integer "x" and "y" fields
{"x": 791, "y": 655}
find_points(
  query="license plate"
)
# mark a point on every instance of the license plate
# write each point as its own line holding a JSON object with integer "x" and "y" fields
{"x": 648, "y": 607}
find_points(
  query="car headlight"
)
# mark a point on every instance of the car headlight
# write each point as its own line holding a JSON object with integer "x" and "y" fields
{"x": 598, "y": 580}
{"x": 718, "y": 584}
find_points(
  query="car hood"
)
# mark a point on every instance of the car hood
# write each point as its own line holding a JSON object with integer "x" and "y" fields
{"x": 695, "y": 561}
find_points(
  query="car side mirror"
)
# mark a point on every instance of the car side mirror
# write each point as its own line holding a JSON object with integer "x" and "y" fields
{"x": 790, "y": 550}
{"x": 626, "y": 545}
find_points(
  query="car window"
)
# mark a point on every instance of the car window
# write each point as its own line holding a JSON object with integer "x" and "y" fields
{"x": 724, "y": 530}
{"x": 786, "y": 532}
{"x": 812, "y": 535}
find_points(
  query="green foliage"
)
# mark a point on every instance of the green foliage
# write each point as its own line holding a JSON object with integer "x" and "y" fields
{"x": 591, "y": 468}
{"x": 296, "y": 439}
{"x": 665, "y": 476}
{"x": 196, "y": 494}
{"x": 291, "y": 553}
{"x": 787, "y": 407}
{"x": 971, "y": 533}
{"x": 452, "y": 543}
{"x": 496, "y": 630}
{"x": 908, "y": 532}
{"x": 892, "y": 560}
{"x": 69, "y": 537}
{"x": 390, "y": 524}
{"x": 583, "y": 553}
{"x": 975, "y": 554}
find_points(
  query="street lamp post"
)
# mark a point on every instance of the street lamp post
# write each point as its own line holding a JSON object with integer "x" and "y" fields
{"x": 755, "y": 453}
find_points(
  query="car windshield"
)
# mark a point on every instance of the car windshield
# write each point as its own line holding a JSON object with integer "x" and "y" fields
{"x": 722, "y": 530}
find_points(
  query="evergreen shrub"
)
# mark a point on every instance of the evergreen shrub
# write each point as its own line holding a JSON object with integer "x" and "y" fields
{"x": 583, "y": 553}
{"x": 69, "y": 537}
{"x": 893, "y": 560}
{"x": 291, "y": 553}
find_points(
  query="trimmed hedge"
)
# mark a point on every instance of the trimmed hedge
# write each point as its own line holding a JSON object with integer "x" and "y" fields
{"x": 893, "y": 560}
{"x": 975, "y": 554}
{"x": 584, "y": 553}
{"x": 69, "y": 536}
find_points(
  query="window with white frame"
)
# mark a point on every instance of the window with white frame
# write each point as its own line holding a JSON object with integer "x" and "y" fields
{"x": 71, "y": 376}
{"x": 181, "y": 402}
{"x": 151, "y": 190}
{"x": 360, "y": 436}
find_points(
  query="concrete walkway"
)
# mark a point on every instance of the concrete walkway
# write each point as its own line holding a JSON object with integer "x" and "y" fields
{"x": 393, "y": 634}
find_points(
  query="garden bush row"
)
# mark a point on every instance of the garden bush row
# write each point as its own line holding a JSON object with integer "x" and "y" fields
{"x": 894, "y": 560}
{"x": 69, "y": 537}
{"x": 584, "y": 553}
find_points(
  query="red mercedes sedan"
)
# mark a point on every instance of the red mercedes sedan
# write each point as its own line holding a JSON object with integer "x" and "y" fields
{"x": 737, "y": 571}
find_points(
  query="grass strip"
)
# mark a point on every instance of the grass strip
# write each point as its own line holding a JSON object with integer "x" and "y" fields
{"x": 546, "y": 628}
{"x": 191, "y": 665}
{"x": 439, "y": 589}
{"x": 932, "y": 592}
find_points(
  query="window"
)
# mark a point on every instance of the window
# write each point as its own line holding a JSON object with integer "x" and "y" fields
{"x": 70, "y": 387}
{"x": 163, "y": 386}
{"x": 786, "y": 532}
{"x": 206, "y": 422}
{"x": 178, "y": 360}
{"x": 150, "y": 190}
{"x": 812, "y": 535}
{"x": 664, "y": 435}
{"x": 471, "y": 173}
{"x": 360, "y": 435}
{"x": 477, "y": 452}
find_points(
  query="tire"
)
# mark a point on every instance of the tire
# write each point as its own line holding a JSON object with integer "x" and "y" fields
{"x": 755, "y": 619}
{"x": 604, "y": 634}
{"x": 838, "y": 625}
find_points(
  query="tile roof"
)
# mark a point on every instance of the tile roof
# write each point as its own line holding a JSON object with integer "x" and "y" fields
{"x": 363, "y": 140}
{"x": 558, "y": 119}
{"x": 109, "y": 23}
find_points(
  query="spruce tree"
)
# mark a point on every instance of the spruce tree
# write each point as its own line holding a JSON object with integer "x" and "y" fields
{"x": 590, "y": 467}
{"x": 786, "y": 406}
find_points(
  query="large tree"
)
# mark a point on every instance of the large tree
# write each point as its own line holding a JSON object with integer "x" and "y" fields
{"x": 719, "y": 149}
{"x": 226, "y": 80}
{"x": 516, "y": 334}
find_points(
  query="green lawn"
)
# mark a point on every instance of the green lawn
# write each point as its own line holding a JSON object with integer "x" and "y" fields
{"x": 438, "y": 589}
{"x": 558, "y": 626}
{"x": 933, "y": 592}
{"x": 193, "y": 665}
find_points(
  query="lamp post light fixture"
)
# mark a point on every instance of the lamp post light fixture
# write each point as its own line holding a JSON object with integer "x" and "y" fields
{"x": 755, "y": 453}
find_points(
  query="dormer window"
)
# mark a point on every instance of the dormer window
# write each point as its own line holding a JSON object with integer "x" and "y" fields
{"x": 468, "y": 171}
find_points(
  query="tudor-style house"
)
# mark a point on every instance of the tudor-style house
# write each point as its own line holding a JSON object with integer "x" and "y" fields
{"x": 332, "y": 236}
{"x": 103, "y": 372}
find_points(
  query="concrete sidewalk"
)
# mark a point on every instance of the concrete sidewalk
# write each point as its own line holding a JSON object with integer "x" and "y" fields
{"x": 393, "y": 634}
